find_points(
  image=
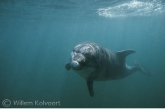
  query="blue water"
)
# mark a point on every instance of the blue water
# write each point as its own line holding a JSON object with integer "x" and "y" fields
{"x": 37, "y": 36}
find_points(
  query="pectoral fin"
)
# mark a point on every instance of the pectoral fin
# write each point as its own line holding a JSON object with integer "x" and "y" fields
{"x": 67, "y": 66}
{"x": 90, "y": 87}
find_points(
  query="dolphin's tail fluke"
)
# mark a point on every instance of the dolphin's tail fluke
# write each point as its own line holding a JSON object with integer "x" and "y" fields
{"x": 142, "y": 69}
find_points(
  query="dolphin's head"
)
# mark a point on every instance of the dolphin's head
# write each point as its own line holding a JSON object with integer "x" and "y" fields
{"x": 82, "y": 57}
{"x": 78, "y": 61}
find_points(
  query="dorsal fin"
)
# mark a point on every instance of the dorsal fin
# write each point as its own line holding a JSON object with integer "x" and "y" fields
{"x": 121, "y": 55}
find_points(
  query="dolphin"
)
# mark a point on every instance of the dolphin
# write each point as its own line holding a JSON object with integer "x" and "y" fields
{"x": 95, "y": 63}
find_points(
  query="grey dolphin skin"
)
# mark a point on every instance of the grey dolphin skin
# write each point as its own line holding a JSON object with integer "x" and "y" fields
{"x": 95, "y": 63}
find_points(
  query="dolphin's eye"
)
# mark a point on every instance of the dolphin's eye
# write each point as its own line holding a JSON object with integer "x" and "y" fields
{"x": 86, "y": 54}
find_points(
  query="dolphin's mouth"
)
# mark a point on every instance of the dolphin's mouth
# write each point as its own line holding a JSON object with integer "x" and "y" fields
{"x": 75, "y": 65}
{"x": 78, "y": 61}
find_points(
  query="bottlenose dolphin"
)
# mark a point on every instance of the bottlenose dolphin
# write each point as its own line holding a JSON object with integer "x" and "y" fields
{"x": 95, "y": 63}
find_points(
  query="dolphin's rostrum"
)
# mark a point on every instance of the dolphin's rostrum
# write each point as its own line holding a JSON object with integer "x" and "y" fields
{"x": 95, "y": 63}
